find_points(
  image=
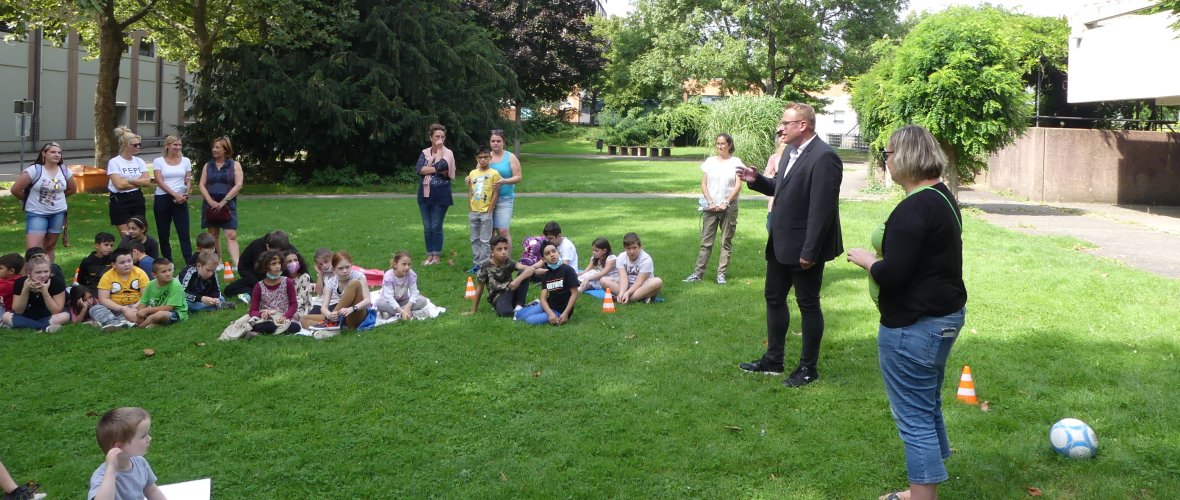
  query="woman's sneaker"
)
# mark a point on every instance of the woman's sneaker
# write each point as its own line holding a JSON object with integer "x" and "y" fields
{"x": 692, "y": 278}
{"x": 27, "y": 491}
{"x": 326, "y": 325}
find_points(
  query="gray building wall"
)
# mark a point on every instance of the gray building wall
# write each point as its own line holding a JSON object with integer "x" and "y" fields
{"x": 65, "y": 108}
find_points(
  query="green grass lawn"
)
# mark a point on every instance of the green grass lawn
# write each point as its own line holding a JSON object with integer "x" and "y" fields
{"x": 645, "y": 403}
{"x": 587, "y": 146}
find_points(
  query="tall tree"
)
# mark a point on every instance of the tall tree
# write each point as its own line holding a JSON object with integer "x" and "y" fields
{"x": 549, "y": 45}
{"x": 959, "y": 73}
{"x": 104, "y": 26}
{"x": 784, "y": 48}
{"x": 363, "y": 99}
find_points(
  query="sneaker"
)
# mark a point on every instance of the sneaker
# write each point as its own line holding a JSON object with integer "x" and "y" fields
{"x": 126, "y": 324}
{"x": 801, "y": 377}
{"x": 692, "y": 278}
{"x": 244, "y": 297}
{"x": 228, "y": 304}
{"x": 325, "y": 334}
{"x": 52, "y": 329}
{"x": 111, "y": 327}
{"x": 27, "y": 491}
{"x": 474, "y": 269}
{"x": 220, "y": 267}
{"x": 762, "y": 366}
{"x": 720, "y": 279}
{"x": 326, "y": 325}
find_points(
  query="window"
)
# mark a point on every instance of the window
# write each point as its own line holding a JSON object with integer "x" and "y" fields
{"x": 146, "y": 115}
{"x": 838, "y": 117}
{"x": 147, "y": 48}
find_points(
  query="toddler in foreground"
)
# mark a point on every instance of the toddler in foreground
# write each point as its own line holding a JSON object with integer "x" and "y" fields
{"x": 124, "y": 434}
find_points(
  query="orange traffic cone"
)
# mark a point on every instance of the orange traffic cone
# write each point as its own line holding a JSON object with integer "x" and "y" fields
{"x": 966, "y": 392}
{"x": 470, "y": 293}
{"x": 77, "y": 272}
{"x": 608, "y": 303}
{"x": 229, "y": 272}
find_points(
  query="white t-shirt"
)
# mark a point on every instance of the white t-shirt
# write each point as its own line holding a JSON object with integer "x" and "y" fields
{"x": 568, "y": 252}
{"x": 128, "y": 169}
{"x": 643, "y": 264}
{"x": 173, "y": 174}
{"x": 48, "y": 195}
{"x": 720, "y": 176}
{"x": 332, "y": 284}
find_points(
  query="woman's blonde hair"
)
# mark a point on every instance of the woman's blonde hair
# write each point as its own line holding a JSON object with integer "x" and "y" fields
{"x": 168, "y": 141}
{"x": 125, "y": 136}
{"x": 916, "y": 154}
{"x": 226, "y": 146}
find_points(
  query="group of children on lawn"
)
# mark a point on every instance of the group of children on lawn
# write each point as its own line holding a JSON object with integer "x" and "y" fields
{"x": 129, "y": 286}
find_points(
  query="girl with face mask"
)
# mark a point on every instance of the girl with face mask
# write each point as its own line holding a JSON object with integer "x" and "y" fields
{"x": 559, "y": 291}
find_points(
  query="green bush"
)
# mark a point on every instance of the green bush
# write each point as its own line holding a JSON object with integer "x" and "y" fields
{"x": 347, "y": 176}
{"x": 751, "y": 120}
{"x": 635, "y": 129}
{"x": 682, "y": 124}
{"x": 545, "y": 123}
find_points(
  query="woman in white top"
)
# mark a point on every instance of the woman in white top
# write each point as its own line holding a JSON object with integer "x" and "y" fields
{"x": 719, "y": 209}
{"x": 174, "y": 178}
{"x": 127, "y": 174}
{"x": 43, "y": 187}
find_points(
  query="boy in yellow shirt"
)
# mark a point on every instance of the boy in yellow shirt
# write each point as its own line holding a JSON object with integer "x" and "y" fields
{"x": 481, "y": 196}
{"x": 119, "y": 291}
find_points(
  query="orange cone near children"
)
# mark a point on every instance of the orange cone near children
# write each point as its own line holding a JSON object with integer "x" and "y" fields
{"x": 470, "y": 293}
{"x": 608, "y": 303}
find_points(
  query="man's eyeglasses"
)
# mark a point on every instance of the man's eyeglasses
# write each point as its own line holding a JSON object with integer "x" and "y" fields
{"x": 789, "y": 122}
{"x": 885, "y": 155}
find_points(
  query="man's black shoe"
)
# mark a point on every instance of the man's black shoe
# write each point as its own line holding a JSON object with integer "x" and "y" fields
{"x": 801, "y": 377}
{"x": 762, "y": 366}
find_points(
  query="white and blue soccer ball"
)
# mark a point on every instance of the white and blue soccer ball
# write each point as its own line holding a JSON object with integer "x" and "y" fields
{"x": 1072, "y": 438}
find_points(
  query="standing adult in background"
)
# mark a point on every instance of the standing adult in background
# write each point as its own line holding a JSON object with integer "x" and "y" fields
{"x": 804, "y": 234}
{"x": 719, "y": 208}
{"x": 436, "y": 165}
{"x": 922, "y": 301}
{"x": 508, "y": 166}
{"x": 174, "y": 179}
{"x": 772, "y": 170}
{"x": 48, "y": 183}
{"x": 127, "y": 174}
{"x": 221, "y": 181}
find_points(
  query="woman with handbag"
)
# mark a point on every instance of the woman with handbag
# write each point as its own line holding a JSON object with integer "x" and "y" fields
{"x": 221, "y": 181}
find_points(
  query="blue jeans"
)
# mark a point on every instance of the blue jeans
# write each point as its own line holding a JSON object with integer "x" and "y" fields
{"x": 52, "y": 223}
{"x": 199, "y": 306}
{"x": 913, "y": 365}
{"x": 432, "y": 226}
{"x": 533, "y": 315}
{"x": 167, "y": 212}
{"x": 19, "y": 321}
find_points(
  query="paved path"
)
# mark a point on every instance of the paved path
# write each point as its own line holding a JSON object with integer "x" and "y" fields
{"x": 1145, "y": 237}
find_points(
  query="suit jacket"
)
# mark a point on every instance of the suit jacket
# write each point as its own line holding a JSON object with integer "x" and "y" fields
{"x": 805, "y": 216}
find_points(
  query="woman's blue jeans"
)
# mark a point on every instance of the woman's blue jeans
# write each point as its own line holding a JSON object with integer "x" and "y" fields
{"x": 432, "y": 226}
{"x": 913, "y": 365}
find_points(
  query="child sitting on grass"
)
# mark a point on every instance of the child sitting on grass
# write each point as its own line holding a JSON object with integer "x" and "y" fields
{"x": 346, "y": 293}
{"x": 273, "y": 299}
{"x": 91, "y": 269}
{"x": 602, "y": 265}
{"x": 142, "y": 260}
{"x": 40, "y": 299}
{"x": 199, "y": 282}
{"x": 11, "y": 265}
{"x": 124, "y": 434}
{"x": 637, "y": 279}
{"x": 495, "y": 274}
{"x": 79, "y": 299}
{"x": 399, "y": 295}
{"x": 205, "y": 242}
{"x": 296, "y": 269}
{"x": 162, "y": 302}
{"x": 559, "y": 291}
{"x": 137, "y": 231}
{"x": 119, "y": 291}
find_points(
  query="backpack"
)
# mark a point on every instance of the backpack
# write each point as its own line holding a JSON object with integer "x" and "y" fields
{"x": 29, "y": 188}
{"x": 530, "y": 251}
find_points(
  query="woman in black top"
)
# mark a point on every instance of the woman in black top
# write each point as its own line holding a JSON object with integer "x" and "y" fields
{"x": 922, "y": 302}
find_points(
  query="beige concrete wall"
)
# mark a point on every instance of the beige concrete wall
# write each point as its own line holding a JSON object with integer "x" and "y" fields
{"x": 1102, "y": 166}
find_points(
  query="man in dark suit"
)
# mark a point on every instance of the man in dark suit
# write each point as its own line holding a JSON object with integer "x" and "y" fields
{"x": 804, "y": 235}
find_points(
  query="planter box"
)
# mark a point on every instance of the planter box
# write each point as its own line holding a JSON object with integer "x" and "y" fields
{"x": 89, "y": 179}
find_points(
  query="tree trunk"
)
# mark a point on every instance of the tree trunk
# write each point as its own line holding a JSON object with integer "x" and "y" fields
{"x": 110, "y": 55}
{"x": 771, "y": 52}
{"x": 952, "y": 170}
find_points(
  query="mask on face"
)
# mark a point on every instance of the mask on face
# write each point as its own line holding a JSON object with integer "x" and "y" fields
{"x": 292, "y": 267}
{"x": 273, "y": 276}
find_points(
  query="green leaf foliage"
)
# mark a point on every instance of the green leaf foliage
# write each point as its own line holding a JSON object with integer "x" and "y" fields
{"x": 365, "y": 99}
{"x": 750, "y": 120}
{"x": 959, "y": 73}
